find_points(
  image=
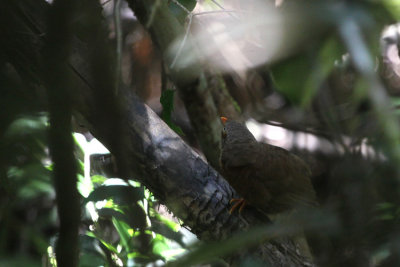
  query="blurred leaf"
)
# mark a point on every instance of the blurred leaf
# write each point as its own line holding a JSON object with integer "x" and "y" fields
{"x": 385, "y": 206}
{"x": 80, "y": 167}
{"x": 178, "y": 11}
{"x": 121, "y": 194}
{"x": 31, "y": 179}
{"x": 84, "y": 186}
{"x": 79, "y": 151}
{"x": 19, "y": 261}
{"x": 330, "y": 51}
{"x": 27, "y": 126}
{"x": 300, "y": 77}
{"x": 106, "y": 245}
{"x": 387, "y": 211}
{"x": 159, "y": 245}
{"x": 25, "y": 140}
{"x": 171, "y": 224}
{"x": 91, "y": 253}
{"x": 134, "y": 216}
{"x": 167, "y": 102}
{"x": 290, "y": 77}
{"x": 393, "y": 7}
{"x": 166, "y": 231}
{"x": 123, "y": 231}
{"x": 213, "y": 250}
{"x": 98, "y": 179}
{"x": 89, "y": 260}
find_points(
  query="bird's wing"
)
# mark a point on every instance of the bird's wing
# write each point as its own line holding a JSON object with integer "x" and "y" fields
{"x": 285, "y": 175}
{"x": 238, "y": 156}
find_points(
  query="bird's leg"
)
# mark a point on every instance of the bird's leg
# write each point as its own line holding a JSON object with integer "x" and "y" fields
{"x": 239, "y": 202}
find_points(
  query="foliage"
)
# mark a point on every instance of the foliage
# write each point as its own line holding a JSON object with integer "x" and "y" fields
{"x": 167, "y": 102}
{"x": 121, "y": 221}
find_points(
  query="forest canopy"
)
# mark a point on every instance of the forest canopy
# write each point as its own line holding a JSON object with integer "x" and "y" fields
{"x": 111, "y": 134}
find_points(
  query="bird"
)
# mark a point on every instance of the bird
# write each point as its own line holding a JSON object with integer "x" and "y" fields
{"x": 267, "y": 177}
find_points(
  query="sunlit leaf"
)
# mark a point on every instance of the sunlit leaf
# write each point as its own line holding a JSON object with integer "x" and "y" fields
{"x": 159, "y": 246}
{"x": 392, "y": 6}
{"x": 123, "y": 231}
{"x": 170, "y": 223}
{"x": 166, "y": 231}
{"x": 98, "y": 179}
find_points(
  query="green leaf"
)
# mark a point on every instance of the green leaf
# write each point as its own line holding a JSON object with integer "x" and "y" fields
{"x": 299, "y": 77}
{"x": 27, "y": 126}
{"x": 134, "y": 216}
{"x": 33, "y": 180}
{"x": 290, "y": 77}
{"x": 393, "y": 6}
{"x": 159, "y": 246}
{"x": 123, "y": 231}
{"x": 167, "y": 102}
{"x": 170, "y": 223}
{"x": 98, "y": 179}
{"x": 121, "y": 194}
{"x": 166, "y": 231}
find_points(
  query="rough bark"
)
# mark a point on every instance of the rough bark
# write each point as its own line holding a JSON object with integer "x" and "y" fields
{"x": 157, "y": 157}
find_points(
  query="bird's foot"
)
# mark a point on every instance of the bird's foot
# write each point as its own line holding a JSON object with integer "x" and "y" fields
{"x": 239, "y": 202}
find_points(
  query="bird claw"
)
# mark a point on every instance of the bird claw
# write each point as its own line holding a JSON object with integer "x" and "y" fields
{"x": 239, "y": 202}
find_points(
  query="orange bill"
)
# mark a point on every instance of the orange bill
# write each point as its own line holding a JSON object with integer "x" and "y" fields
{"x": 224, "y": 119}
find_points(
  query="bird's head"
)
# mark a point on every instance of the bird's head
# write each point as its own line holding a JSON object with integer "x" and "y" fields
{"x": 235, "y": 133}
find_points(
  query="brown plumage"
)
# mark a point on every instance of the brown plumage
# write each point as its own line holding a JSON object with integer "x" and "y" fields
{"x": 266, "y": 176}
